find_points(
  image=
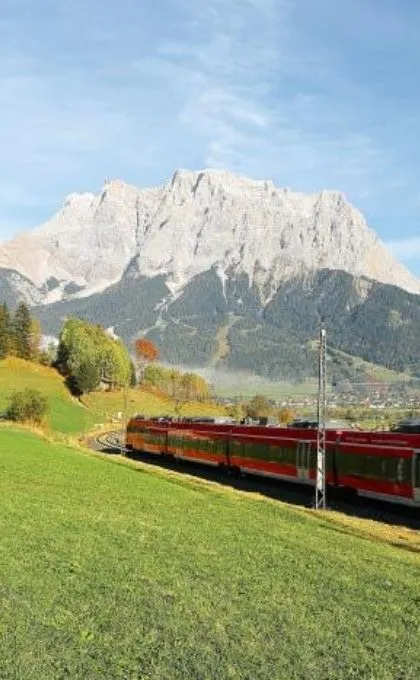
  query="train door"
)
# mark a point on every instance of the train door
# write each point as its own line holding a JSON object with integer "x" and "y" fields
{"x": 303, "y": 462}
{"x": 416, "y": 476}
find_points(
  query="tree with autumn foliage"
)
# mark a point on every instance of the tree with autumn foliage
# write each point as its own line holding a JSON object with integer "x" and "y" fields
{"x": 146, "y": 352}
{"x": 258, "y": 407}
{"x": 181, "y": 387}
{"x": 285, "y": 415}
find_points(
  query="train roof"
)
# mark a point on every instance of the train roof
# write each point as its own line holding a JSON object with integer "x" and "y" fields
{"x": 307, "y": 423}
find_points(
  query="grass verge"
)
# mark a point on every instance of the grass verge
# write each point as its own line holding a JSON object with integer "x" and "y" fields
{"x": 112, "y": 571}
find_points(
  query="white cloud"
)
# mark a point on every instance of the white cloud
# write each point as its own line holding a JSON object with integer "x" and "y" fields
{"x": 254, "y": 86}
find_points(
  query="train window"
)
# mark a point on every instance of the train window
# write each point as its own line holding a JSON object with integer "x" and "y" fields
{"x": 374, "y": 467}
{"x": 416, "y": 480}
{"x": 235, "y": 448}
{"x": 221, "y": 446}
{"x": 282, "y": 454}
{"x": 255, "y": 450}
{"x": 400, "y": 466}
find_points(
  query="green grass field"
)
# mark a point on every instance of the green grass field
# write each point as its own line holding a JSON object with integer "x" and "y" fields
{"x": 67, "y": 415}
{"x": 113, "y": 570}
{"x": 268, "y": 388}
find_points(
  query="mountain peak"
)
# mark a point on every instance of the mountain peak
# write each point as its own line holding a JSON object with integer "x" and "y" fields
{"x": 75, "y": 199}
{"x": 203, "y": 219}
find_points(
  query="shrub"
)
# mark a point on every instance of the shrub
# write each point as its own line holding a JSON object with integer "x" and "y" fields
{"x": 258, "y": 406}
{"x": 27, "y": 405}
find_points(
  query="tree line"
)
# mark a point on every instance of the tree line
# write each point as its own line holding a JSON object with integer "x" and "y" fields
{"x": 20, "y": 334}
{"x": 180, "y": 386}
{"x": 259, "y": 407}
{"x": 89, "y": 357}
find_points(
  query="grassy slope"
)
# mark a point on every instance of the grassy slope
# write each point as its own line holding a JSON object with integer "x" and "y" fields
{"x": 65, "y": 414}
{"x": 68, "y": 415}
{"x": 146, "y": 403}
{"x": 111, "y": 572}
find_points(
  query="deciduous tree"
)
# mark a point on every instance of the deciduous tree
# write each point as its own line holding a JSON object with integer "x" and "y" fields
{"x": 285, "y": 415}
{"x": 145, "y": 352}
{"x": 258, "y": 407}
{"x": 87, "y": 355}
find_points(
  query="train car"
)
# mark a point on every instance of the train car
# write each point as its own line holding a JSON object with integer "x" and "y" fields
{"x": 386, "y": 438}
{"x": 368, "y": 464}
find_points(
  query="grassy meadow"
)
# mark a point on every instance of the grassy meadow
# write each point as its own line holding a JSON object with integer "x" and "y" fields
{"x": 65, "y": 415}
{"x": 146, "y": 402}
{"x": 109, "y": 569}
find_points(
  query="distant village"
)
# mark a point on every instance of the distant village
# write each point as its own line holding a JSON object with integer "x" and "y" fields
{"x": 380, "y": 397}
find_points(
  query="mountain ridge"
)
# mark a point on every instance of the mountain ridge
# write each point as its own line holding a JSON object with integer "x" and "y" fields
{"x": 198, "y": 220}
{"x": 221, "y": 271}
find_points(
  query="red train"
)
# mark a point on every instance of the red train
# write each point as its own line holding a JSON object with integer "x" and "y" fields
{"x": 382, "y": 465}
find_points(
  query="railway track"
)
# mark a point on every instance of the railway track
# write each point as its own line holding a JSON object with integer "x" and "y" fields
{"x": 110, "y": 442}
{"x": 289, "y": 492}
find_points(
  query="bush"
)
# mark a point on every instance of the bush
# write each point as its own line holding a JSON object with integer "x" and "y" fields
{"x": 258, "y": 406}
{"x": 27, "y": 405}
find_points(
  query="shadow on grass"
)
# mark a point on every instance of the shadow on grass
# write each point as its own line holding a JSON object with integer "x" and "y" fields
{"x": 287, "y": 492}
{"x": 349, "y": 531}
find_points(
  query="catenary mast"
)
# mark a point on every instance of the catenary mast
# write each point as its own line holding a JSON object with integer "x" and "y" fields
{"x": 320, "y": 486}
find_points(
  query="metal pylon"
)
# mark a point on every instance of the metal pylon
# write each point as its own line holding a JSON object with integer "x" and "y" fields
{"x": 320, "y": 487}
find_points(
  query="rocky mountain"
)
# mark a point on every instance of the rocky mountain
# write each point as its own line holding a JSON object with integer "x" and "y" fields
{"x": 198, "y": 221}
{"x": 222, "y": 271}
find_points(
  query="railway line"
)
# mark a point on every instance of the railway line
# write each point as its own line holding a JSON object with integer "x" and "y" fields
{"x": 289, "y": 492}
{"x": 110, "y": 441}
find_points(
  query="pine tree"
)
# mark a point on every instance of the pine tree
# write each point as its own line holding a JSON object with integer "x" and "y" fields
{"x": 133, "y": 378}
{"x": 87, "y": 377}
{"x": 35, "y": 339}
{"x": 6, "y": 332}
{"x": 22, "y": 326}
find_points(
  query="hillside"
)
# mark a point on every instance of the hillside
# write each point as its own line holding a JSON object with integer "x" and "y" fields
{"x": 134, "y": 573}
{"x": 68, "y": 415}
{"x": 365, "y": 320}
{"x": 65, "y": 413}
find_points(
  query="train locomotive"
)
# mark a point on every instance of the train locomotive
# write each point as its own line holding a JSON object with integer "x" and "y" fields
{"x": 381, "y": 465}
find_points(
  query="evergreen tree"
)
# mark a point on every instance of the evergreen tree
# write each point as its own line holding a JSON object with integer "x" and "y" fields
{"x": 22, "y": 327}
{"x": 133, "y": 378}
{"x": 87, "y": 377}
{"x": 35, "y": 340}
{"x": 6, "y": 332}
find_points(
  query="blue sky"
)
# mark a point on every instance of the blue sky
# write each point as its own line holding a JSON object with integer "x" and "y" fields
{"x": 310, "y": 93}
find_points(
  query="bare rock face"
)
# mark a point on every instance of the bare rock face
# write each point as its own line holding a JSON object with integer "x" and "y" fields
{"x": 200, "y": 220}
